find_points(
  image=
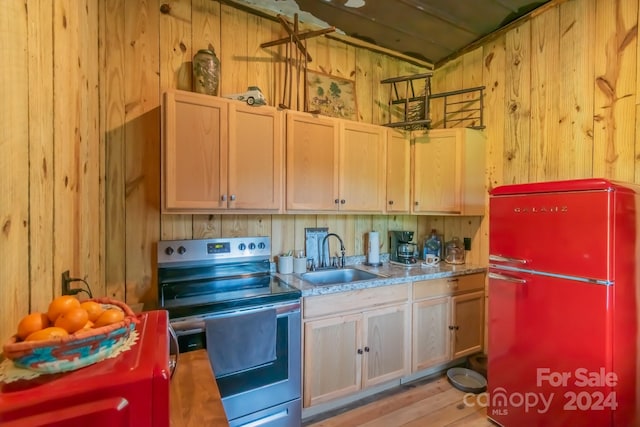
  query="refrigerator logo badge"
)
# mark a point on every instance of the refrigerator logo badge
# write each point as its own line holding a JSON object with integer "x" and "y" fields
{"x": 541, "y": 209}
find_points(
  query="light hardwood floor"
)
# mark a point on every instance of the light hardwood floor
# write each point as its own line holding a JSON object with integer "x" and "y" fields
{"x": 431, "y": 403}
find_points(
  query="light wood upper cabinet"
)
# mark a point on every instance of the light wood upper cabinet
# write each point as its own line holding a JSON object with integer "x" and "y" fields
{"x": 220, "y": 155}
{"x": 448, "y": 172}
{"x": 334, "y": 164}
{"x": 194, "y": 140}
{"x": 312, "y": 162}
{"x": 362, "y": 167}
{"x": 398, "y": 171}
{"x": 256, "y": 157}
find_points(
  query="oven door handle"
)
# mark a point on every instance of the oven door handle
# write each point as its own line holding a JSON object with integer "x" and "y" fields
{"x": 174, "y": 350}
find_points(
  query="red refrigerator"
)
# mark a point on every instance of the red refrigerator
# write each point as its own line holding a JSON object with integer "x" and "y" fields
{"x": 563, "y": 304}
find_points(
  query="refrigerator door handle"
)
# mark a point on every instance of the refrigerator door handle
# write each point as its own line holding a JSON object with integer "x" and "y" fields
{"x": 500, "y": 258}
{"x": 506, "y": 278}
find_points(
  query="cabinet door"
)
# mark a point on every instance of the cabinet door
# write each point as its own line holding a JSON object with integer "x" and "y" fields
{"x": 468, "y": 324}
{"x": 255, "y": 158}
{"x": 431, "y": 336}
{"x": 312, "y": 162}
{"x": 398, "y": 171}
{"x": 386, "y": 344}
{"x": 194, "y": 151}
{"x": 332, "y": 365}
{"x": 362, "y": 167}
{"x": 437, "y": 172}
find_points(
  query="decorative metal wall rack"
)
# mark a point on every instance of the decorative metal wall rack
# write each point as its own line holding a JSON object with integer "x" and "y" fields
{"x": 460, "y": 108}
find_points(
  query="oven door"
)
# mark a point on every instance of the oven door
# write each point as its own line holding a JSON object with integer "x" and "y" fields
{"x": 273, "y": 384}
{"x": 268, "y": 391}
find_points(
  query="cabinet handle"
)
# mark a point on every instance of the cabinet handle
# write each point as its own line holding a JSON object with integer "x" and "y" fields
{"x": 416, "y": 203}
{"x": 233, "y": 197}
{"x": 336, "y": 201}
{"x": 359, "y": 351}
{"x": 451, "y": 327}
{"x": 390, "y": 202}
{"x": 366, "y": 349}
{"x": 342, "y": 201}
{"x": 224, "y": 197}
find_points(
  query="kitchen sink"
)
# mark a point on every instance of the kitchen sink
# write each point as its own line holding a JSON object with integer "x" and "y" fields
{"x": 333, "y": 277}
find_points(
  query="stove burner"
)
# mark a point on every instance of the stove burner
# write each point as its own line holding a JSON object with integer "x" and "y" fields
{"x": 198, "y": 277}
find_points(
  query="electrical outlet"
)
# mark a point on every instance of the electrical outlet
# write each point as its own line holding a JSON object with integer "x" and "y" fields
{"x": 66, "y": 280}
{"x": 467, "y": 243}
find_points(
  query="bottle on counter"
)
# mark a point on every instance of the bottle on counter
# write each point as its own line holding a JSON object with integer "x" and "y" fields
{"x": 432, "y": 245}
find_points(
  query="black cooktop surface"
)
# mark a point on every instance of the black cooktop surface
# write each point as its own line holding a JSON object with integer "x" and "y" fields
{"x": 202, "y": 296}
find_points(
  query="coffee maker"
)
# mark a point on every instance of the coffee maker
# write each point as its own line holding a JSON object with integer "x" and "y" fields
{"x": 401, "y": 248}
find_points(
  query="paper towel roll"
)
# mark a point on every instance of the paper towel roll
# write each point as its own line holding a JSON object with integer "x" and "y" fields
{"x": 373, "y": 254}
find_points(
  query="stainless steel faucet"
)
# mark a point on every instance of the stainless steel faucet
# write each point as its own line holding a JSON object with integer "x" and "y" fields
{"x": 325, "y": 262}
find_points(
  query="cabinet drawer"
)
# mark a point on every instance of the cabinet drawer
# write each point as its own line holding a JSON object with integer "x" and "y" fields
{"x": 356, "y": 300}
{"x": 447, "y": 286}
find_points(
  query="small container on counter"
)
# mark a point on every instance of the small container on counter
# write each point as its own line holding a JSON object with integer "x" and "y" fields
{"x": 285, "y": 264}
{"x": 300, "y": 264}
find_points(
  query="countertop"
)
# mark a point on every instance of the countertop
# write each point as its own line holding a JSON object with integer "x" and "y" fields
{"x": 391, "y": 274}
{"x": 195, "y": 399}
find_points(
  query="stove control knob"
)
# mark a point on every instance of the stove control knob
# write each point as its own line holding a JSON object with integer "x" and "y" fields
{"x": 261, "y": 245}
{"x": 242, "y": 246}
{"x": 169, "y": 250}
{"x": 252, "y": 246}
{"x": 182, "y": 250}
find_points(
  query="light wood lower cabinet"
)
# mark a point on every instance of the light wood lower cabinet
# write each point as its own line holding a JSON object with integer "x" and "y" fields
{"x": 467, "y": 326}
{"x": 448, "y": 320}
{"x": 364, "y": 346}
{"x": 431, "y": 343}
{"x": 357, "y": 339}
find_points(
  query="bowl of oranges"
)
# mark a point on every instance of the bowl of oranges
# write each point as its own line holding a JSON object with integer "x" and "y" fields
{"x": 71, "y": 334}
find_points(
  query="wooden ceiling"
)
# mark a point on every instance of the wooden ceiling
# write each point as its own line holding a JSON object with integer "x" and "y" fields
{"x": 428, "y": 30}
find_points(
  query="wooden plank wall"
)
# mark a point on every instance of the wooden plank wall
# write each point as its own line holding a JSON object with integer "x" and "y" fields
{"x": 80, "y": 144}
{"x": 80, "y": 120}
{"x": 51, "y": 190}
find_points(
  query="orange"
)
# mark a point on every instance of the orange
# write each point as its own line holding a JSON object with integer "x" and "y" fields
{"x": 61, "y": 305}
{"x": 73, "y": 320}
{"x": 32, "y": 323}
{"x": 93, "y": 308}
{"x": 109, "y": 316}
{"x": 50, "y": 333}
{"x": 88, "y": 325}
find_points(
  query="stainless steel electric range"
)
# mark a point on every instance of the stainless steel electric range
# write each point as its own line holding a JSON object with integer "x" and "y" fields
{"x": 221, "y": 295}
